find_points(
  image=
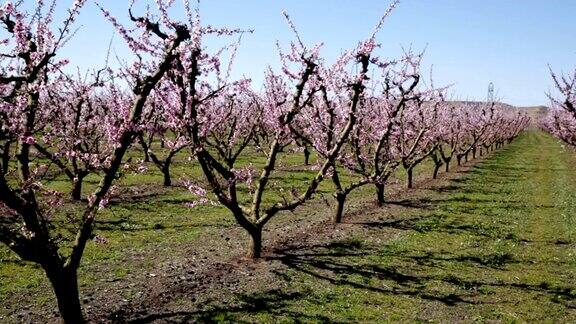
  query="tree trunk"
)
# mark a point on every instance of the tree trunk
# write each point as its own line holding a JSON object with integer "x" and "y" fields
{"x": 459, "y": 160}
{"x": 380, "y": 194}
{"x": 340, "y": 200}
{"x": 306, "y": 156}
{"x": 65, "y": 285}
{"x": 166, "y": 172}
{"x": 144, "y": 147}
{"x": 437, "y": 167}
{"x": 466, "y": 157}
{"x": 255, "y": 245}
{"x": 447, "y": 164}
{"x": 474, "y": 153}
{"x": 77, "y": 188}
{"x": 409, "y": 172}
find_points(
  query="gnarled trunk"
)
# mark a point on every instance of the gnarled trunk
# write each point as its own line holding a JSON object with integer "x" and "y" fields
{"x": 340, "y": 200}
{"x": 164, "y": 167}
{"x": 410, "y": 175}
{"x": 437, "y": 167}
{"x": 65, "y": 286}
{"x": 166, "y": 172}
{"x": 76, "y": 193}
{"x": 380, "y": 193}
{"x": 145, "y": 147}
{"x": 306, "y": 155}
{"x": 255, "y": 245}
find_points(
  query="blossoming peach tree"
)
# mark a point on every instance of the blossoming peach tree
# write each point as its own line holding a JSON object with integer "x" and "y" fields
{"x": 28, "y": 84}
{"x": 560, "y": 120}
{"x": 305, "y": 102}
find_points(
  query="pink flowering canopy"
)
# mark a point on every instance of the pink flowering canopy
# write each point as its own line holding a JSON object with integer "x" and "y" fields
{"x": 560, "y": 120}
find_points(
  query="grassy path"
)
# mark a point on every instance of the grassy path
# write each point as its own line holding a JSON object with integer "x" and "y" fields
{"x": 498, "y": 244}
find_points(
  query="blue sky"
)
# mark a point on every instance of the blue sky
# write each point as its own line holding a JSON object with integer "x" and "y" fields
{"x": 469, "y": 42}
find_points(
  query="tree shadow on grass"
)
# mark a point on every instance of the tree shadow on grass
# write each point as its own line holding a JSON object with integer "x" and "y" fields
{"x": 339, "y": 268}
{"x": 273, "y": 303}
{"x": 135, "y": 198}
{"x": 420, "y": 203}
{"x": 408, "y": 275}
{"x": 439, "y": 223}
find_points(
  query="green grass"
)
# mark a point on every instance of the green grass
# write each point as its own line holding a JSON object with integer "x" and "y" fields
{"x": 496, "y": 245}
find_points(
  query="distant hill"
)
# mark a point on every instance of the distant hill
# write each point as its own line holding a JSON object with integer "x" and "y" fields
{"x": 479, "y": 103}
{"x": 535, "y": 112}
